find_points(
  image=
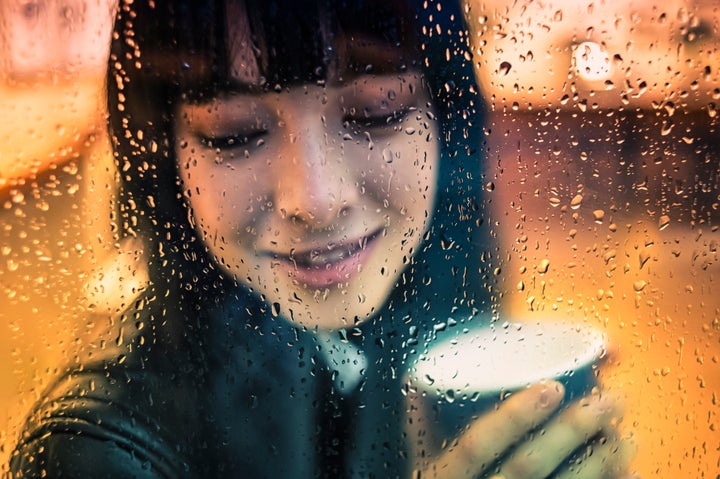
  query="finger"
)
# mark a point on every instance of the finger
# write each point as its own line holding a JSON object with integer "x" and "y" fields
{"x": 604, "y": 460}
{"x": 424, "y": 436}
{"x": 558, "y": 439}
{"x": 491, "y": 435}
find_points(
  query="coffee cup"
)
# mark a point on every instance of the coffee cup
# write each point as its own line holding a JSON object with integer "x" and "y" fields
{"x": 459, "y": 378}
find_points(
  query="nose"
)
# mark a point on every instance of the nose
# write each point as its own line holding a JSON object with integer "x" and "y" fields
{"x": 312, "y": 186}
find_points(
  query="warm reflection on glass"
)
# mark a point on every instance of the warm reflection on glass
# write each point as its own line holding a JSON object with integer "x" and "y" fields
{"x": 602, "y": 139}
{"x": 55, "y": 188}
{"x": 308, "y": 212}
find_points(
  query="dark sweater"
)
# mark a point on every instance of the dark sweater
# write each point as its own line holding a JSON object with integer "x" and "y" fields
{"x": 220, "y": 394}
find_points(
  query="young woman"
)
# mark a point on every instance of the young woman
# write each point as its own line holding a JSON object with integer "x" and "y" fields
{"x": 306, "y": 179}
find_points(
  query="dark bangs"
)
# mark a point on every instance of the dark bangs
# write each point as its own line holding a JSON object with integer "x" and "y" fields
{"x": 279, "y": 43}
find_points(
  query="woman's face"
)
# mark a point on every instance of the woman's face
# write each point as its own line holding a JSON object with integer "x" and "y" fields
{"x": 314, "y": 196}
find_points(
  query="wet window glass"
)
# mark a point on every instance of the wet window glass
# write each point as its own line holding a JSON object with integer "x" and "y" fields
{"x": 368, "y": 238}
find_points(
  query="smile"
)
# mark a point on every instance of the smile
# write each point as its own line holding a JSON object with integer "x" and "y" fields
{"x": 331, "y": 264}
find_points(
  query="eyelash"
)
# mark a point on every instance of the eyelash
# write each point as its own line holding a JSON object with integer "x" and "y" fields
{"x": 378, "y": 121}
{"x": 230, "y": 142}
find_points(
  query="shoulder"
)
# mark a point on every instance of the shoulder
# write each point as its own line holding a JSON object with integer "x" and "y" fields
{"x": 111, "y": 414}
{"x": 85, "y": 427}
{"x": 76, "y": 455}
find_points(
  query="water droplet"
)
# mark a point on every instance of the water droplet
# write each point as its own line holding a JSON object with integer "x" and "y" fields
{"x": 639, "y": 285}
{"x": 609, "y": 256}
{"x": 504, "y": 68}
{"x": 712, "y": 110}
{"x": 663, "y": 222}
{"x": 598, "y": 216}
{"x": 387, "y": 155}
{"x": 543, "y": 266}
{"x": 371, "y": 145}
{"x": 12, "y": 265}
{"x": 576, "y": 202}
{"x": 667, "y": 127}
{"x": 446, "y": 243}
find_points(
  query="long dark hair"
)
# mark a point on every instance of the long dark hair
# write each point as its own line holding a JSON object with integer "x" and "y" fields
{"x": 169, "y": 51}
{"x": 184, "y": 57}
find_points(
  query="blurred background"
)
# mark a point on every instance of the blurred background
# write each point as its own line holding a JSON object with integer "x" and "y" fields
{"x": 603, "y": 176}
{"x": 56, "y": 185}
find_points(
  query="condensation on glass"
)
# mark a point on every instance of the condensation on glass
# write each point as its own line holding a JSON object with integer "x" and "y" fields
{"x": 589, "y": 136}
{"x": 56, "y": 183}
{"x": 602, "y": 140}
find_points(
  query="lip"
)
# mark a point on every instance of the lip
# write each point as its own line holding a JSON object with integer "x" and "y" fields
{"x": 328, "y": 264}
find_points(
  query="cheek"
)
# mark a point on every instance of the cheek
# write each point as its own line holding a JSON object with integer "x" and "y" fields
{"x": 399, "y": 170}
{"x": 221, "y": 197}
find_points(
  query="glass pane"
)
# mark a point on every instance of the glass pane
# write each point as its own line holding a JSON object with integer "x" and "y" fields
{"x": 370, "y": 238}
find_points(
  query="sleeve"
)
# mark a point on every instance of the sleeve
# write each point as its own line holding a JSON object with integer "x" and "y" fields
{"x": 81, "y": 432}
{"x": 67, "y": 455}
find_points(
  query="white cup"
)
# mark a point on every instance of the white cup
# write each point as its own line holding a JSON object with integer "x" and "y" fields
{"x": 459, "y": 378}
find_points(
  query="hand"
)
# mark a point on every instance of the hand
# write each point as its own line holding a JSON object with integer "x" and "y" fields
{"x": 523, "y": 439}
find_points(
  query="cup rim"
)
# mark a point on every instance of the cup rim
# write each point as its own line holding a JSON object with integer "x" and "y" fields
{"x": 502, "y": 357}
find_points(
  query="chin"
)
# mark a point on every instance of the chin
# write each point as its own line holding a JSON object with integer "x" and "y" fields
{"x": 340, "y": 309}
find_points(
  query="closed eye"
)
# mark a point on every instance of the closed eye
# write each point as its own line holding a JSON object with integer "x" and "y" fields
{"x": 229, "y": 142}
{"x": 384, "y": 119}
